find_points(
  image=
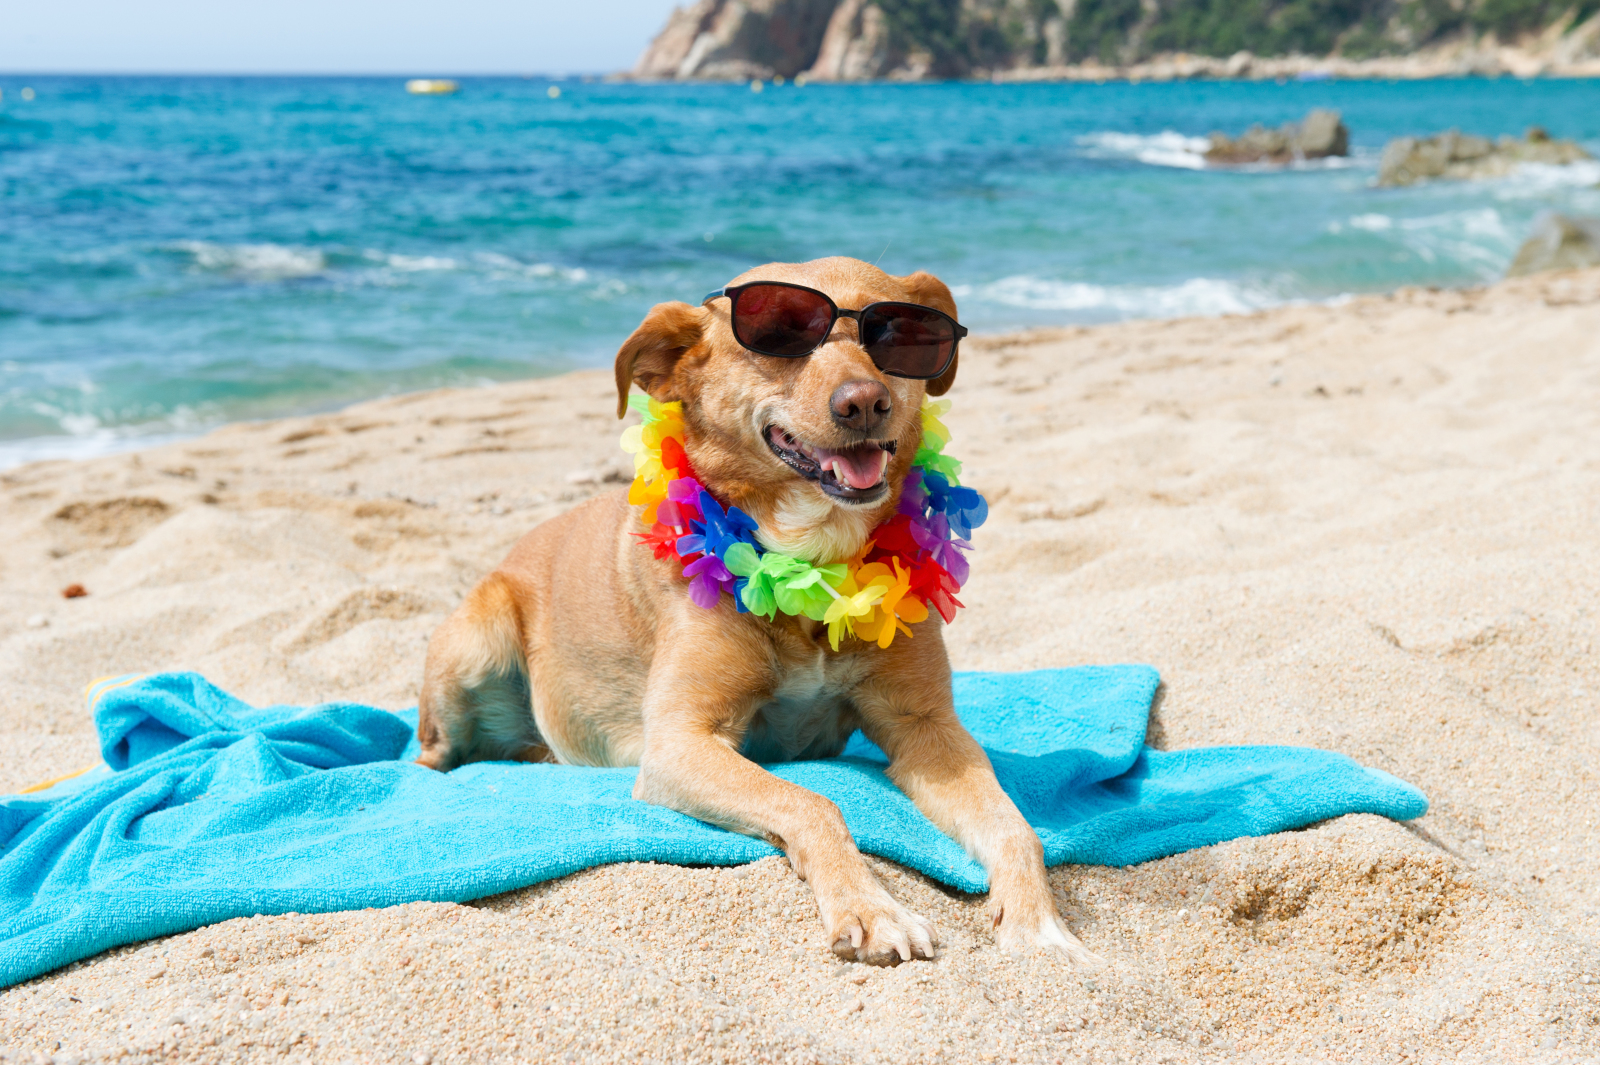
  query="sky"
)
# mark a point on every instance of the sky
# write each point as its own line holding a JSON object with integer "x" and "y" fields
{"x": 326, "y": 36}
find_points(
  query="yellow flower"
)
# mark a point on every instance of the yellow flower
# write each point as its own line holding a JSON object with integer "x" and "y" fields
{"x": 654, "y": 433}
{"x": 935, "y": 435}
{"x": 897, "y": 607}
{"x": 662, "y": 421}
{"x": 649, "y": 493}
{"x": 853, "y": 606}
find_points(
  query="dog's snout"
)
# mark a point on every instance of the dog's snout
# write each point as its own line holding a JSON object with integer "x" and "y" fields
{"x": 861, "y": 405}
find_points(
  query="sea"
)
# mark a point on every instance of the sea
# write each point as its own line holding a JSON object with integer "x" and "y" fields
{"x": 178, "y": 252}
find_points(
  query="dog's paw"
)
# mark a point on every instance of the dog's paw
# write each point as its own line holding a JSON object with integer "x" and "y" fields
{"x": 1044, "y": 932}
{"x": 1026, "y": 920}
{"x": 876, "y": 930}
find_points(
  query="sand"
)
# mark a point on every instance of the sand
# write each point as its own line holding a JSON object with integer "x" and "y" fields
{"x": 1369, "y": 528}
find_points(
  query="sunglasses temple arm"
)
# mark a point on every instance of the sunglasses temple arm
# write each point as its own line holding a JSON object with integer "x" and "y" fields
{"x": 709, "y": 296}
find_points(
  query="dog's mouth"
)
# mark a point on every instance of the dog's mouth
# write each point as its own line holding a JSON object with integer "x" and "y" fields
{"x": 857, "y": 474}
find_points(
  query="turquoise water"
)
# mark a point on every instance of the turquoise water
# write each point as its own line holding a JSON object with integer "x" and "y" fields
{"x": 178, "y": 252}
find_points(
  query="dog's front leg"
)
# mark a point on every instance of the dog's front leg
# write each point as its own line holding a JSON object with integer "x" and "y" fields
{"x": 696, "y": 706}
{"x": 909, "y": 713}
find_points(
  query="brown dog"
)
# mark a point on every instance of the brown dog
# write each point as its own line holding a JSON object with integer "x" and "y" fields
{"x": 583, "y": 648}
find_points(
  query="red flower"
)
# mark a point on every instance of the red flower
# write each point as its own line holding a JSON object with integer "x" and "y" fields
{"x": 931, "y": 583}
{"x": 673, "y": 459}
{"x": 893, "y": 539}
{"x": 662, "y": 539}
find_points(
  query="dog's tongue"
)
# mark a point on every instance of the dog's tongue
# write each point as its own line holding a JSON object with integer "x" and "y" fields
{"x": 861, "y": 467}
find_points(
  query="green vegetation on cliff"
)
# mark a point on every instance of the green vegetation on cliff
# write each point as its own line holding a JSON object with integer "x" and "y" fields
{"x": 960, "y": 36}
{"x": 1113, "y": 30}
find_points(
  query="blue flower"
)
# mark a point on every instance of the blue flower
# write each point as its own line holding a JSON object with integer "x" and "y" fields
{"x": 722, "y": 529}
{"x": 965, "y": 508}
{"x": 712, "y": 536}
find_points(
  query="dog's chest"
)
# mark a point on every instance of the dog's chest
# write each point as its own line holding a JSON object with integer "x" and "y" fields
{"x": 810, "y": 713}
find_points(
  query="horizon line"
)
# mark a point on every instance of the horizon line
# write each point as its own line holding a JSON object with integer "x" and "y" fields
{"x": 293, "y": 74}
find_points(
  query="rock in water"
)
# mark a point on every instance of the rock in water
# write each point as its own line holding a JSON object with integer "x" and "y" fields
{"x": 1323, "y": 133}
{"x": 1461, "y": 156}
{"x": 1317, "y": 136}
{"x": 1558, "y": 243}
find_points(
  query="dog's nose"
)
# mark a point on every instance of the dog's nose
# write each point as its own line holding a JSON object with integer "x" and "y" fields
{"x": 861, "y": 405}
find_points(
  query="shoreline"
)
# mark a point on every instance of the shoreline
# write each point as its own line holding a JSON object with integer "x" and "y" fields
{"x": 1454, "y": 61}
{"x": 86, "y": 448}
{"x": 1366, "y": 528}
{"x": 1116, "y": 214}
{"x": 1180, "y": 67}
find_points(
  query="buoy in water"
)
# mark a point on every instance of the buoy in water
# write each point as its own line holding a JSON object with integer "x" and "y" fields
{"x": 431, "y": 86}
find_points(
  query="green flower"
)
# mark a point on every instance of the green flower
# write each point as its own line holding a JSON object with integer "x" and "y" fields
{"x": 932, "y": 460}
{"x": 804, "y": 593}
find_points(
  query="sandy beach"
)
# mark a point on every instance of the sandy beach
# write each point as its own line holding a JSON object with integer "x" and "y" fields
{"x": 1368, "y": 527}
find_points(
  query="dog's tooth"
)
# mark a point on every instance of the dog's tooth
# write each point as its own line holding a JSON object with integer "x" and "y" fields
{"x": 883, "y": 463}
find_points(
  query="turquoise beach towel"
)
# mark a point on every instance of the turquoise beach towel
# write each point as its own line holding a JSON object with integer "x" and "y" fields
{"x": 208, "y": 808}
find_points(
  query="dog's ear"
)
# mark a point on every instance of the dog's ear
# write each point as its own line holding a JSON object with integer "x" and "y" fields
{"x": 649, "y": 355}
{"x": 931, "y": 292}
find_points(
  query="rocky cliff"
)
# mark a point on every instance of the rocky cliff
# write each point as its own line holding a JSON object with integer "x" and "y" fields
{"x": 849, "y": 40}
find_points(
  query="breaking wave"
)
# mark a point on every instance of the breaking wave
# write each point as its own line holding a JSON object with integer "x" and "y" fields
{"x": 1197, "y": 297}
{"x": 1156, "y": 149}
{"x": 260, "y": 262}
{"x": 1540, "y": 179}
{"x": 282, "y": 262}
{"x": 1478, "y": 239}
{"x": 86, "y": 438}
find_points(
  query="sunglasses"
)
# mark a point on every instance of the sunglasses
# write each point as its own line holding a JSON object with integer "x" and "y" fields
{"x": 791, "y": 321}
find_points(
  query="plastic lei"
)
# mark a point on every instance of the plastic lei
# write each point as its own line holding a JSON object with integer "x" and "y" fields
{"x": 910, "y": 563}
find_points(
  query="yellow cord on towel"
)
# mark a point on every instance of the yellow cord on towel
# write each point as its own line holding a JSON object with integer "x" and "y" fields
{"x": 57, "y": 780}
{"x": 96, "y": 688}
{"x": 91, "y": 693}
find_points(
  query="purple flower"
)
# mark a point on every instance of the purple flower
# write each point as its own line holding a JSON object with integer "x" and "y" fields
{"x": 709, "y": 579}
{"x": 948, "y": 555}
{"x": 913, "y": 497}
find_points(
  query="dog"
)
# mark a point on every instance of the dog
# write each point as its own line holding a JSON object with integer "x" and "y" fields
{"x": 583, "y": 648}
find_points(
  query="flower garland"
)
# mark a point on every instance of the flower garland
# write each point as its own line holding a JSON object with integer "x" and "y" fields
{"x": 909, "y": 563}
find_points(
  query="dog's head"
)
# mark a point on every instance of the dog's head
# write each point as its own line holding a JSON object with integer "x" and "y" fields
{"x": 814, "y": 448}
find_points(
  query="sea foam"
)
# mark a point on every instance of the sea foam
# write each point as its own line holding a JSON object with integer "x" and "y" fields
{"x": 1478, "y": 238}
{"x": 1541, "y": 179}
{"x": 1196, "y": 297}
{"x": 1167, "y": 148}
{"x": 265, "y": 262}
{"x": 101, "y": 440}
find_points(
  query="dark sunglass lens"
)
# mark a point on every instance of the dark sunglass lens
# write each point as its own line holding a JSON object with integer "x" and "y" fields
{"x": 777, "y": 320}
{"x": 908, "y": 340}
